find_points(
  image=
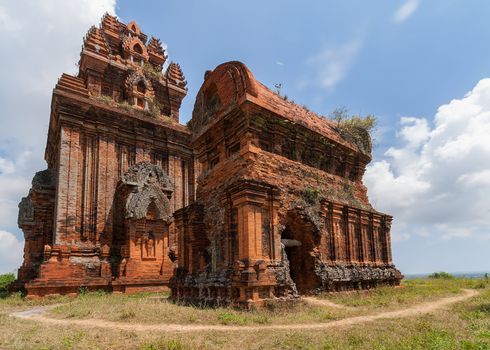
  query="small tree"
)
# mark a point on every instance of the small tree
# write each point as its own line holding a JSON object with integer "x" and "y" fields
{"x": 356, "y": 129}
{"x": 339, "y": 114}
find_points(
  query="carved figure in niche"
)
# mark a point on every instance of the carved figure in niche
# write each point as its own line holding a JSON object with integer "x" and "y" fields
{"x": 122, "y": 267}
{"x": 148, "y": 245}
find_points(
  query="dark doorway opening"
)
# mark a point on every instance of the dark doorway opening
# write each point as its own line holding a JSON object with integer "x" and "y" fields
{"x": 298, "y": 240}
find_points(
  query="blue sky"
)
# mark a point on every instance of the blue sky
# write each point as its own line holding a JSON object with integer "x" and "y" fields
{"x": 406, "y": 68}
{"x": 399, "y": 60}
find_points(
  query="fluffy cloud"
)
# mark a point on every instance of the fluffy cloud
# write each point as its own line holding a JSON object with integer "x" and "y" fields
{"x": 438, "y": 181}
{"x": 11, "y": 250}
{"x": 333, "y": 63}
{"x": 40, "y": 40}
{"x": 405, "y": 11}
{"x": 14, "y": 183}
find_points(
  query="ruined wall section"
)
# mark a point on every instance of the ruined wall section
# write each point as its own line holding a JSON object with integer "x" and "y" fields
{"x": 351, "y": 246}
{"x": 36, "y": 221}
{"x": 208, "y": 244}
{"x": 281, "y": 208}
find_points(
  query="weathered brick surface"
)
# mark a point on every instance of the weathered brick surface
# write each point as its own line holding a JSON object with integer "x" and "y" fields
{"x": 257, "y": 199}
{"x": 119, "y": 114}
{"x": 280, "y": 205}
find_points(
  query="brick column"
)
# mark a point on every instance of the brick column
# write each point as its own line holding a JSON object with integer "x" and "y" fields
{"x": 352, "y": 222}
{"x": 338, "y": 233}
{"x": 366, "y": 241}
{"x": 275, "y": 236}
{"x": 249, "y": 230}
{"x": 106, "y": 182}
{"x": 376, "y": 238}
{"x": 330, "y": 233}
{"x": 387, "y": 233}
{"x": 67, "y": 190}
{"x": 251, "y": 275}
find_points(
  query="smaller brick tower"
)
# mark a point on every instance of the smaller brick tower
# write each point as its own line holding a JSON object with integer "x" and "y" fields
{"x": 280, "y": 207}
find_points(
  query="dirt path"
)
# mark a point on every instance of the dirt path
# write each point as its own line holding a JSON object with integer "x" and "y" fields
{"x": 38, "y": 314}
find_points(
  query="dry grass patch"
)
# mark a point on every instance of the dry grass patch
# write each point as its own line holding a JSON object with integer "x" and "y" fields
{"x": 154, "y": 309}
{"x": 410, "y": 292}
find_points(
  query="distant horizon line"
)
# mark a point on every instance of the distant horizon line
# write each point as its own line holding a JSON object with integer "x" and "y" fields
{"x": 451, "y": 272}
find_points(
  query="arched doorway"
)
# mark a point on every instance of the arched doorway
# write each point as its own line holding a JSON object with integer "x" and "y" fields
{"x": 299, "y": 242}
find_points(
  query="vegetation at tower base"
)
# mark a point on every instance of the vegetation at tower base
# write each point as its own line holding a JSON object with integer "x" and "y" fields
{"x": 5, "y": 281}
{"x": 257, "y": 199}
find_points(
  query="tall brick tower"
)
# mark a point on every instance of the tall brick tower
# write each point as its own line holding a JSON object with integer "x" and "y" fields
{"x": 119, "y": 165}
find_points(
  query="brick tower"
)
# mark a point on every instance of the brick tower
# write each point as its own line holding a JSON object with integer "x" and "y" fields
{"x": 280, "y": 207}
{"x": 119, "y": 165}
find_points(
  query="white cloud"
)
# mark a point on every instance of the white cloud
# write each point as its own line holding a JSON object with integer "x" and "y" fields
{"x": 333, "y": 63}
{"x": 405, "y": 11}
{"x": 11, "y": 252}
{"x": 415, "y": 131}
{"x": 14, "y": 185}
{"x": 476, "y": 179}
{"x": 6, "y": 166}
{"x": 279, "y": 63}
{"x": 40, "y": 40}
{"x": 438, "y": 181}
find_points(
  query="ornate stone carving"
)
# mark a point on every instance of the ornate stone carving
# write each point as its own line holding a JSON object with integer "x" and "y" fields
{"x": 175, "y": 75}
{"x": 148, "y": 245}
{"x": 148, "y": 184}
{"x": 138, "y": 88}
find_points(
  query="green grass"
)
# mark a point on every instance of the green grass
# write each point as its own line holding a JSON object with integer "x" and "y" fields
{"x": 154, "y": 308}
{"x": 465, "y": 325}
{"x": 410, "y": 291}
{"x": 164, "y": 345}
